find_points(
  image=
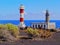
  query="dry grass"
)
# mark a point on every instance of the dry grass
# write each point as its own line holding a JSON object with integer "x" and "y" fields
{"x": 42, "y": 33}
{"x": 45, "y": 33}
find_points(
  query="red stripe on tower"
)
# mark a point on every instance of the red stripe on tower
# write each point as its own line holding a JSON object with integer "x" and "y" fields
{"x": 21, "y": 19}
{"x": 21, "y": 10}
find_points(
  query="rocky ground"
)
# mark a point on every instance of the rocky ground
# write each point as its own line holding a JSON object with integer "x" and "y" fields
{"x": 54, "y": 40}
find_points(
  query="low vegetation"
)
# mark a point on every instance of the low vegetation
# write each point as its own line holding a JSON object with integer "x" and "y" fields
{"x": 39, "y": 33}
{"x": 45, "y": 33}
{"x": 32, "y": 32}
{"x": 13, "y": 29}
{"x": 8, "y": 32}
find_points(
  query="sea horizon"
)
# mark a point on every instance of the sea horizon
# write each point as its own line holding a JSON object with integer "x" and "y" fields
{"x": 28, "y": 22}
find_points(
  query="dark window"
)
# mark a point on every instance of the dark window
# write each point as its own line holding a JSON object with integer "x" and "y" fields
{"x": 35, "y": 26}
{"x": 39, "y": 26}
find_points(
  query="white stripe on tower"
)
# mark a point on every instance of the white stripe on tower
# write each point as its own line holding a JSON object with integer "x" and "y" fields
{"x": 22, "y": 25}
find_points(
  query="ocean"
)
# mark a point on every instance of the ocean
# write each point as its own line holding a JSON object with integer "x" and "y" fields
{"x": 28, "y": 22}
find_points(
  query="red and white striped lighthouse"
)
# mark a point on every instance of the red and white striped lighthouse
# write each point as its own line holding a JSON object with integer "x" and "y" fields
{"x": 22, "y": 25}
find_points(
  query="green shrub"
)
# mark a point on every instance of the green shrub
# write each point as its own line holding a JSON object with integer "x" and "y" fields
{"x": 32, "y": 32}
{"x": 2, "y": 26}
{"x": 8, "y": 32}
{"x": 13, "y": 29}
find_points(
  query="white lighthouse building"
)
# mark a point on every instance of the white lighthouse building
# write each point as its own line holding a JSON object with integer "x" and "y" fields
{"x": 44, "y": 25}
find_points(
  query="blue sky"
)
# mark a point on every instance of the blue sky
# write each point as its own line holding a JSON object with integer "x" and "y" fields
{"x": 34, "y": 9}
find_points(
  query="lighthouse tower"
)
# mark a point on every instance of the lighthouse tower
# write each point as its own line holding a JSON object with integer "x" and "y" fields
{"x": 47, "y": 19}
{"x": 47, "y": 16}
{"x": 22, "y": 25}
